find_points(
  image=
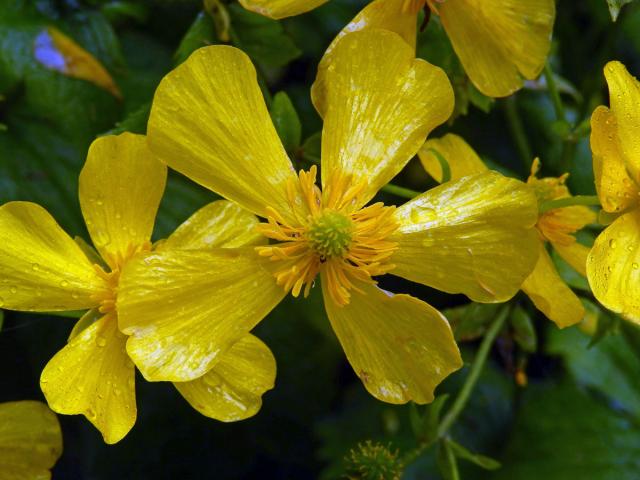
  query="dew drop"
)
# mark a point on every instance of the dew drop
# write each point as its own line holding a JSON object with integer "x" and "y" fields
{"x": 13, "y": 289}
{"x": 64, "y": 284}
{"x": 101, "y": 341}
{"x": 102, "y": 238}
{"x": 612, "y": 243}
{"x": 35, "y": 267}
{"x": 635, "y": 265}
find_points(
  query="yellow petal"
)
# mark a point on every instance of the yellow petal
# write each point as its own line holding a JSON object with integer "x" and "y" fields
{"x": 559, "y": 225}
{"x": 550, "y": 294}
{"x": 209, "y": 122}
{"x": 121, "y": 185}
{"x": 30, "y": 440}
{"x": 381, "y": 105}
{"x": 624, "y": 97}
{"x": 400, "y": 347}
{"x": 232, "y": 390}
{"x": 471, "y": 236}
{"x": 613, "y": 266}
{"x": 616, "y": 189}
{"x": 41, "y": 267}
{"x": 281, "y": 8}
{"x": 462, "y": 159}
{"x": 499, "y": 41}
{"x": 575, "y": 255}
{"x": 384, "y": 14}
{"x": 184, "y": 309}
{"x": 218, "y": 224}
{"x": 93, "y": 376}
{"x": 55, "y": 51}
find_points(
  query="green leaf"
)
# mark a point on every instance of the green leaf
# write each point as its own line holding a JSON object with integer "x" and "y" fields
{"x": 117, "y": 11}
{"x": 611, "y": 366}
{"x": 563, "y": 433}
{"x": 286, "y": 121}
{"x": 425, "y": 424}
{"x": 261, "y": 38}
{"x": 481, "y": 460}
{"x": 135, "y": 122}
{"x": 568, "y": 274}
{"x": 523, "y": 332}
{"x": 201, "y": 33}
{"x": 479, "y": 100}
{"x": 312, "y": 145}
{"x": 606, "y": 324}
{"x": 615, "y": 6}
{"x": 447, "y": 463}
{"x": 471, "y": 321}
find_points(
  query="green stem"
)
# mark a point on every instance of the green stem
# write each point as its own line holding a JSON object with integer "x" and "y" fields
{"x": 553, "y": 91}
{"x": 476, "y": 369}
{"x": 451, "y": 461}
{"x": 568, "y": 202}
{"x": 389, "y": 188}
{"x": 517, "y": 132}
{"x": 400, "y": 191}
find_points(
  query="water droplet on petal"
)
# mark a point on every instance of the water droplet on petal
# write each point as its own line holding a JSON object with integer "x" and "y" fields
{"x": 101, "y": 341}
{"x": 64, "y": 284}
{"x": 612, "y": 243}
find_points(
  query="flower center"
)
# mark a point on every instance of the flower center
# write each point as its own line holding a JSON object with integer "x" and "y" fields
{"x": 347, "y": 246}
{"x": 330, "y": 234}
{"x": 106, "y": 299}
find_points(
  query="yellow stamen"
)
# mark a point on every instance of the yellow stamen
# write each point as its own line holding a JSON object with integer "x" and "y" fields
{"x": 107, "y": 298}
{"x": 558, "y": 225}
{"x": 347, "y": 244}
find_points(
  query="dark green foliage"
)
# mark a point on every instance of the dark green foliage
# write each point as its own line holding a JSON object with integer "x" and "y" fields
{"x": 579, "y": 416}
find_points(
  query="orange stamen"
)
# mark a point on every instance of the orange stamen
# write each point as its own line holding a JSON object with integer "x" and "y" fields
{"x": 347, "y": 244}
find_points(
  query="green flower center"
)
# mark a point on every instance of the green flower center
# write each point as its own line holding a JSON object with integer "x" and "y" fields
{"x": 330, "y": 234}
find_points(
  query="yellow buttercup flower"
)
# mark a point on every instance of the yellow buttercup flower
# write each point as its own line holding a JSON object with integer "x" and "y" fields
{"x": 613, "y": 266}
{"x": 500, "y": 43}
{"x": 544, "y": 286}
{"x": 381, "y": 105}
{"x": 30, "y": 440}
{"x": 43, "y": 269}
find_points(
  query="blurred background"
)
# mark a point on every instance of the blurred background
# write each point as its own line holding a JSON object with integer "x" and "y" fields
{"x": 550, "y": 404}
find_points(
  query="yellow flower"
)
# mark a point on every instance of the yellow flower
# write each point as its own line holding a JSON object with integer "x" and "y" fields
{"x": 500, "y": 43}
{"x": 43, "y": 269}
{"x": 613, "y": 266}
{"x": 382, "y": 103}
{"x": 544, "y": 286}
{"x": 30, "y": 440}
